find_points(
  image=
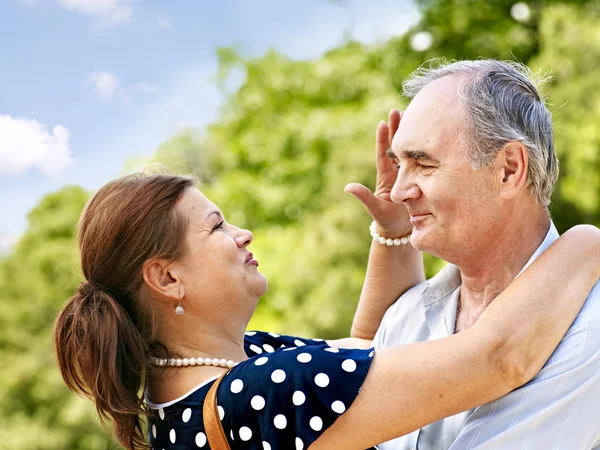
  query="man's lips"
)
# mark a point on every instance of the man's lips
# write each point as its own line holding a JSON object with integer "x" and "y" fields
{"x": 417, "y": 217}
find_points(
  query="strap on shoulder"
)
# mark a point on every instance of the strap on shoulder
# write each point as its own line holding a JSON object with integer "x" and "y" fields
{"x": 212, "y": 422}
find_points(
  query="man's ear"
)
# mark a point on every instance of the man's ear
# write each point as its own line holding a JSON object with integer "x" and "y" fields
{"x": 513, "y": 162}
{"x": 162, "y": 279}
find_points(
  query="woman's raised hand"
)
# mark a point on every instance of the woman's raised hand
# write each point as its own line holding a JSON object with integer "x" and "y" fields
{"x": 392, "y": 219}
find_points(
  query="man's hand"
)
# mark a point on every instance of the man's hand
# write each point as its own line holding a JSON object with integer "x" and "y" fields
{"x": 392, "y": 219}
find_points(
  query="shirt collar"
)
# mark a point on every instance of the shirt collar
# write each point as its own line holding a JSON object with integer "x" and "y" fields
{"x": 448, "y": 279}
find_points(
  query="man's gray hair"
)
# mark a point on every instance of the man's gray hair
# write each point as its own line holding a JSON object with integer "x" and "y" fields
{"x": 500, "y": 103}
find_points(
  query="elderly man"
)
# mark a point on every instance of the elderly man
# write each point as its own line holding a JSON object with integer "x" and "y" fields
{"x": 474, "y": 165}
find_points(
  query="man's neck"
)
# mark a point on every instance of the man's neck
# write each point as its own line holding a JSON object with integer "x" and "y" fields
{"x": 485, "y": 276}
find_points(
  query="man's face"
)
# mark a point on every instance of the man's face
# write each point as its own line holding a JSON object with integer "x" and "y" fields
{"x": 454, "y": 209}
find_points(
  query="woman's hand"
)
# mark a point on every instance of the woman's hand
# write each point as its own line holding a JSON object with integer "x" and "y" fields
{"x": 392, "y": 219}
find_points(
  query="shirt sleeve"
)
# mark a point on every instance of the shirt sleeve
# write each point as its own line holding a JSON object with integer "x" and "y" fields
{"x": 558, "y": 409}
{"x": 259, "y": 342}
{"x": 286, "y": 399}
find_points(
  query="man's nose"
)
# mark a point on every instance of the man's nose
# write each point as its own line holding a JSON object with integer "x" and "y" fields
{"x": 405, "y": 188}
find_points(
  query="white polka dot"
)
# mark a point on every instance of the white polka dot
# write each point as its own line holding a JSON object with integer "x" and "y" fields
{"x": 278, "y": 376}
{"x": 187, "y": 414}
{"x": 257, "y": 402}
{"x": 304, "y": 357}
{"x": 299, "y": 444}
{"x": 322, "y": 380}
{"x": 200, "y": 439}
{"x": 260, "y": 361}
{"x": 298, "y": 398}
{"x": 250, "y": 333}
{"x": 332, "y": 350}
{"x": 172, "y": 436}
{"x": 316, "y": 423}
{"x": 299, "y": 343}
{"x": 266, "y": 446}
{"x": 154, "y": 431}
{"x": 338, "y": 407}
{"x": 280, "y": 421}
{"x": 371, "y": 354}
{"x": 231, "y": 434}
{"x": 161, "y": 414}
{"x": 237, "y": 386}
{"x": 256, "y": 349}
{"x": 289, "y": 348}
{"x": 318, "y": 339}
{"x": 221, "y": 412}
{"x": 349, "y": 365}
{"x": 268, "y": 348}
{"x": 245, "y": 433}
{"x": 275, "y": 335}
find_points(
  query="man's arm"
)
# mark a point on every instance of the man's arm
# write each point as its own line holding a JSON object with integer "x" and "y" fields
{"x": 559, "y": 409}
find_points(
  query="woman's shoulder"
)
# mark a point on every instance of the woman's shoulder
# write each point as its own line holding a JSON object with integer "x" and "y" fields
{"x": 259, "y": 342}
{"x": 179, "y": 423}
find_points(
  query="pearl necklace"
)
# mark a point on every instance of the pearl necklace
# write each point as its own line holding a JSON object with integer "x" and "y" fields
{"x": 186, "y": 362}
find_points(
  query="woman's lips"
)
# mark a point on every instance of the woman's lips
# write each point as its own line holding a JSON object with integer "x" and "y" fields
{"x": 250, "y": 260}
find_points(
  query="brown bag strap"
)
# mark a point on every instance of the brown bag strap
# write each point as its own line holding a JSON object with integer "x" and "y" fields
{"x": 212, "y": 422}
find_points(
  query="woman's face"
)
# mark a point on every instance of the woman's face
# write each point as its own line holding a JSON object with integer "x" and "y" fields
{"x": 217, "y": 264}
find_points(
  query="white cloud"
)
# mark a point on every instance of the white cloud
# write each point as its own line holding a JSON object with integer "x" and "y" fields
{"x": 143, "y": 87}
{"x": 108, "y": 86}
{"x": 105, "y": 84}
{"x": 26, "y": 143}
{"x": 164, "y": 23}
{"x": 106, "y": 12}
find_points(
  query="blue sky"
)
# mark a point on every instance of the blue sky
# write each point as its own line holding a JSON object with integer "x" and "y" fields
{"x": 87, "y": 84}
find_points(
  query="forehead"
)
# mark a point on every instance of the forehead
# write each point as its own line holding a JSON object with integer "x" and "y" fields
{"x": 432, "y": 121}
{"x": 195, "y": 205}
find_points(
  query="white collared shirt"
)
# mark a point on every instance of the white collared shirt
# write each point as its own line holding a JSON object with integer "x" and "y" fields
{"x": 559, "y": 409}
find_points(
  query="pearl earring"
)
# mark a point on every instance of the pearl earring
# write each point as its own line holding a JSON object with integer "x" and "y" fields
{"x": 179, "y": 308}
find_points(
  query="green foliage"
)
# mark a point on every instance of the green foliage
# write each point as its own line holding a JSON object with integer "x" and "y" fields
{"x": 276, "y": 161}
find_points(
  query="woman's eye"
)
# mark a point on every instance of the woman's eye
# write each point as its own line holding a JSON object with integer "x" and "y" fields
{"x": 219, "y": 225}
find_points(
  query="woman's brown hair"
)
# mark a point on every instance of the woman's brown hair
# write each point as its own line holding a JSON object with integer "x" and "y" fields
{"x": 104, "y": 333}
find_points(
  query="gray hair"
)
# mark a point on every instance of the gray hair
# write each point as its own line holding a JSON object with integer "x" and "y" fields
{"x": 500, "y": 104}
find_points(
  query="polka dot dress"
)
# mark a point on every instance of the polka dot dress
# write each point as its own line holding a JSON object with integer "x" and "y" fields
{"x": 284, "y": 397}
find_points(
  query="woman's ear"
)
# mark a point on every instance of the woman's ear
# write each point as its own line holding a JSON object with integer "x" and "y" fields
{"x": 161, "y": 279}
{"x": 514, "y": 163}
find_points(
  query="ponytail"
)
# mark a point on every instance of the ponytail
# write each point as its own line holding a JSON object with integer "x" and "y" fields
{"x": 102, "y": 355}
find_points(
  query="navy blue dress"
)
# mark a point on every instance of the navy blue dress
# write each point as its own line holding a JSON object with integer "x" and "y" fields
{"x": 284, "y": 396}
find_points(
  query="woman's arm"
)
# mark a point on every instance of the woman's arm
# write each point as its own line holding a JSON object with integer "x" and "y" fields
{"x": 412, "y": 385}
{"x": 391, "y": 271}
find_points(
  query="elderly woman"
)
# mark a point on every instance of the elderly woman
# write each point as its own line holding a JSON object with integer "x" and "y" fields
{"x": 161, "y": 319}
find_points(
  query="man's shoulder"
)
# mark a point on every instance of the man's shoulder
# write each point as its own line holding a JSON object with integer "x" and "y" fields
{"x": 408, "y": 300}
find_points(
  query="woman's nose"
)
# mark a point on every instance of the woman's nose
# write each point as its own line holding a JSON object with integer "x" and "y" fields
{"x": 243, "y": 238}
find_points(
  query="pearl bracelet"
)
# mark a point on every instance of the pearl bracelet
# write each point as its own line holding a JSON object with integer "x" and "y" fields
{"x": 387, "y": 241}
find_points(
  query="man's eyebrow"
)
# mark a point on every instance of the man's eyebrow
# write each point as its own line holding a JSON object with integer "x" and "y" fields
{"x": 415, "y": 155}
